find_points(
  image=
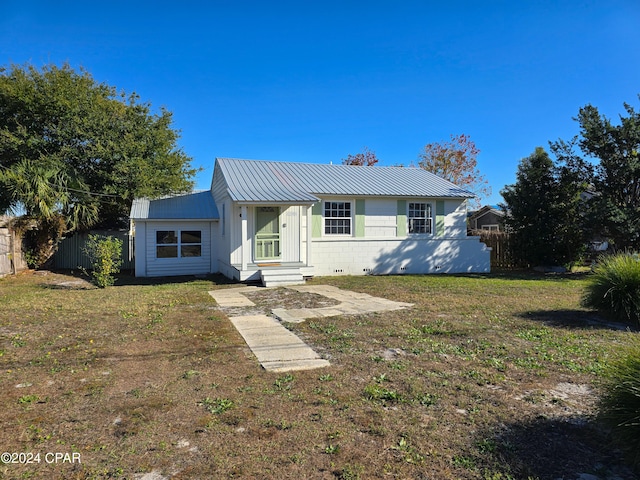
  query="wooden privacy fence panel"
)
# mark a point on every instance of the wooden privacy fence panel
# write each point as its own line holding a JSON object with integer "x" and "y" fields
{"x": 70, "y": 253}
{"x": 502, "y": 251}
{"x": 11, "y": 258}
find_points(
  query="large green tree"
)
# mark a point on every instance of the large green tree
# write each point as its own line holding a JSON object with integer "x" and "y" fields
{"x": 614, "y": 153}
{"x": 543, "y": 211}
{"x": 79, "y": 150}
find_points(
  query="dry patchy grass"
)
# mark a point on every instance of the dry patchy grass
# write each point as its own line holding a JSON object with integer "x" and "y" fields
{"x": 487, "y": 377}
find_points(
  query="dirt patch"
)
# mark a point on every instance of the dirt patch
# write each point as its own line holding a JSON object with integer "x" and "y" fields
{"x": 268, "y": 299}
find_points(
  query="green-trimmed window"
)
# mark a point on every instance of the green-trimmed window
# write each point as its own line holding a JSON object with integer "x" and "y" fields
{"x": 420, "y": 218}
{"x": 337, "y": 218}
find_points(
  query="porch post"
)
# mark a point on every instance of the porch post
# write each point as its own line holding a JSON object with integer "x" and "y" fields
{"x": 309, "y": 230}
{"x": 244, "y": 250}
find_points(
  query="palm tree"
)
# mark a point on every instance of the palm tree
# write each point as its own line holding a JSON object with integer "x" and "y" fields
{"x": 49, "y": 199}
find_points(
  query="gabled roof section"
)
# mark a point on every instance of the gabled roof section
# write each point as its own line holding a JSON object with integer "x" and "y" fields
{"x": 187, "y": 206}
{"x": 270, "y": 181}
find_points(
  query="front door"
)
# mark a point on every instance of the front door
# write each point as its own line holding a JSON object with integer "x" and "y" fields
{"x": 267, "y": 240}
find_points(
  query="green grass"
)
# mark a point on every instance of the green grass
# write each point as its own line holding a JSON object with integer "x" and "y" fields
{"x": 152, "y": 376}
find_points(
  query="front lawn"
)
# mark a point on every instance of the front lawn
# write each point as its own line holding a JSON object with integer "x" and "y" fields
{"x": 487, "y": 377}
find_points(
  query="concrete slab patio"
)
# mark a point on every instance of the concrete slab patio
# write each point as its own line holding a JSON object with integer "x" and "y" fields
{"x": 278, "y": 349}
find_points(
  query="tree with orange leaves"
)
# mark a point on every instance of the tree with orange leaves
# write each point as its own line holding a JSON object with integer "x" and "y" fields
{"x": 455, "y": 161}
{"x": 367, "y": 158}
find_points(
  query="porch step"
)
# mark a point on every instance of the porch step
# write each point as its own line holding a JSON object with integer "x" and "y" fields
{"x": 277, "y": 277}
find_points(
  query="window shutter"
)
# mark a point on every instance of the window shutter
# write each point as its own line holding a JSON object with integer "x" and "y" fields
{"x": 359, "y": 230}
{"x": 401, "y": 219}
{"x": 316, "y": 220}
{"x": 439, "y": 218}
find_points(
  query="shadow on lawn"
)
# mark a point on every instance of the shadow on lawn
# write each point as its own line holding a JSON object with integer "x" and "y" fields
{"x": 128, "y": 279}
{"x": 553, "y": 448}
{"x": 569, "y": 318}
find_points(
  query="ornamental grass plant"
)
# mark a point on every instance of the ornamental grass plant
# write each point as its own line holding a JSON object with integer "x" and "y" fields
{"x": 614, "y": 289}
{"x": 619, "y": 406}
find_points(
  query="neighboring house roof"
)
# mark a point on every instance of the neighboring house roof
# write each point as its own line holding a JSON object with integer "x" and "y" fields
{"x": 485, "y": 210}
{"x": 269, "y": 181}
{"x": 189, "y": 206}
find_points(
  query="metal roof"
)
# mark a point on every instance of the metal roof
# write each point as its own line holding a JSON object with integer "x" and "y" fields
{"x": 189, "y": 206}
{"x": 270, "y": 181}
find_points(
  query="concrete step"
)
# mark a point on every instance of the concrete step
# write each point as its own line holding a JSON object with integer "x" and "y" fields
{"x": 278, "y": 277}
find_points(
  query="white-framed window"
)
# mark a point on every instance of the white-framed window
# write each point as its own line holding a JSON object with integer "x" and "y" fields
{"x": 420, "y": 218}
{"x": 491, "y": 227}
{"x": 337, "y": 218}
{"x": 178, "y": 243}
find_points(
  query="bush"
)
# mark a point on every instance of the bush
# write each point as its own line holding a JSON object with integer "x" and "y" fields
{"x": 615, "y": 288}
{"x": 105, "y": 254}
{"x": 619, "y": 406}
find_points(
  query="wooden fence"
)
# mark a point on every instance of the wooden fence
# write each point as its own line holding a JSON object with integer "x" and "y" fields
{"x": 70, "y": 254}
{"x": 502, "y": 252}
{"x": 11, "y": 258}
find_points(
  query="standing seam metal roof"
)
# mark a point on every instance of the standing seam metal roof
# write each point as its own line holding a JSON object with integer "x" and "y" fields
{"x": 271, "y": 181}
{"x": 190, "y": 206}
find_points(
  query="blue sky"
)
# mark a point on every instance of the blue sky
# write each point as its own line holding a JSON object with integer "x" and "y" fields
{"x": 316, "y": 81}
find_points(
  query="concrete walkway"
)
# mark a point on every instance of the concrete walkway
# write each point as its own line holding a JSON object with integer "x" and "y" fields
{"x": 352, "y": 303}
{"x": 277, "y": 348}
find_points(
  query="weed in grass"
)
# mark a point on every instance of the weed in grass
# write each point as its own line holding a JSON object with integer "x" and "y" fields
{"x": 325, "y": 378}
{"x": 375, "y": 392}
{"x": 28, "y": 399}
{"x": 463, "y": 461}
{"x": 190, "y": 374}
{"x": 18, "y": 341}
{"x": 282, "y": 425}
{"x": 427, "y": 399}
{"x": 486, "y": 445}
{"x": 408, "y": 452}
{"x": 218, "y": 405}
{"x": 349, "y": 472}
{"x": 285, "y": 383}
{"x": 36, "y": 434}
{"x": 398, "y": 366}
{"x": 332, "y": 449}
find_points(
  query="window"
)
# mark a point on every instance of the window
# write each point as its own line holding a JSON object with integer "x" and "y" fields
{"x": 191, "y": 243}
{"x": 166, "y": 244}
{"x": 420, "y": 218}
{"x": 178, "y": 244}
{"x": 337, "y": 218}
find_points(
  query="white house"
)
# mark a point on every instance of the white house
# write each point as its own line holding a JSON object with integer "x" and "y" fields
{"x": 280, "y": 221}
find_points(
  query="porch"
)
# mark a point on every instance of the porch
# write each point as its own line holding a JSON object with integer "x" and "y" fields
{"x": 274, "y": 244}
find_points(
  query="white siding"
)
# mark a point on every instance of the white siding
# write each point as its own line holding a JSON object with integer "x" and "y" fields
{"x": 455, "y": 220}
{"x": 156, "y": 267}
{"x": 380, "y": 218}
{"x": 140, "y": 249}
